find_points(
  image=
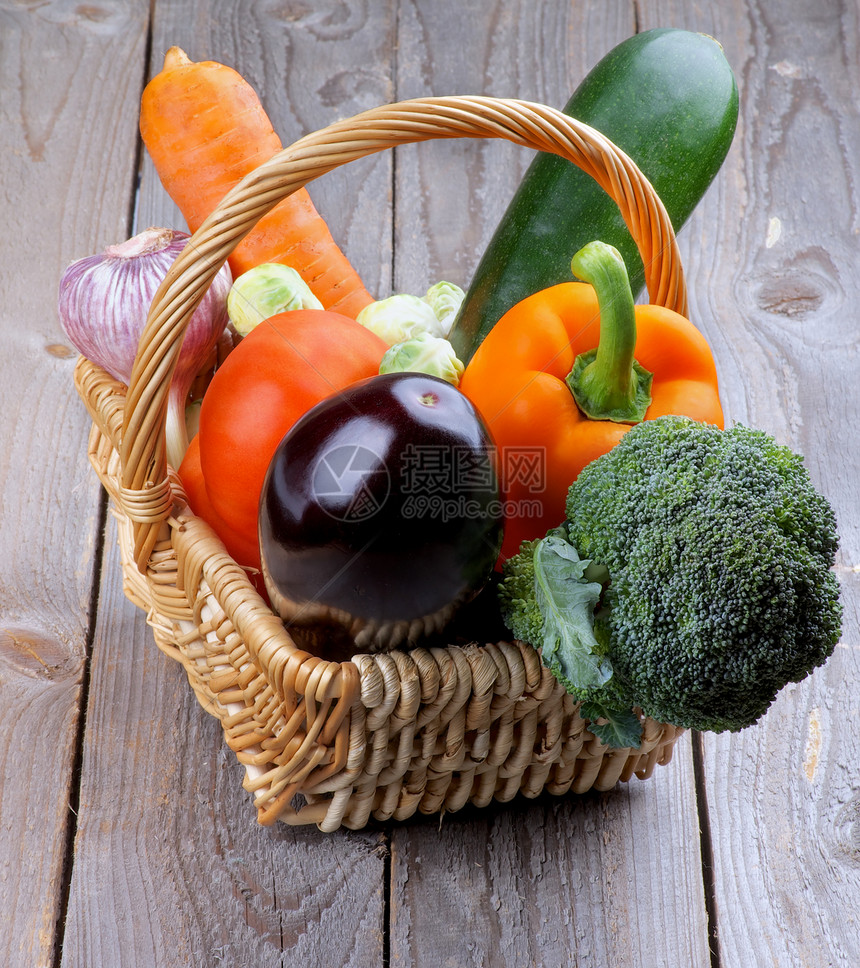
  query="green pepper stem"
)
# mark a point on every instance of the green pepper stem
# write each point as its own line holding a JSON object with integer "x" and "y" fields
{"x": 608, "y": 383}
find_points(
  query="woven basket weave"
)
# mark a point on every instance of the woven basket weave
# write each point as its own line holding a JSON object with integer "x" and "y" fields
{"x": 381, "y": 736}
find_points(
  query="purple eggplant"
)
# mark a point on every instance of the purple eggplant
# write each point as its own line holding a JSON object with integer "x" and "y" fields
{"x": 381, "y": 511}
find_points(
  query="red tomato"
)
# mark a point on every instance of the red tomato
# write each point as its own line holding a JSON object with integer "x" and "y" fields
{"x": 244, "y": 552}
{"x": 281, "y": 369}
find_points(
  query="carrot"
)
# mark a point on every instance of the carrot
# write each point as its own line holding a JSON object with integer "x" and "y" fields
{"x": 205, "y": 129}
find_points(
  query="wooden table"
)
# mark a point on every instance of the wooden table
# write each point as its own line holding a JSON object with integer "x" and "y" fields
{"x": 125, "y": 836}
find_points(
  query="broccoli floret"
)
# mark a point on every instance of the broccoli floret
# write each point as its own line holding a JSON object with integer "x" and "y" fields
{"x": 517, "y": 595}
{"x": 719, "y": 552}
{"x": 548, "y": 598}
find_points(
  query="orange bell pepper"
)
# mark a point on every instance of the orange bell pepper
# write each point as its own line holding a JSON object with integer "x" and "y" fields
{"x": 558, "y": 384}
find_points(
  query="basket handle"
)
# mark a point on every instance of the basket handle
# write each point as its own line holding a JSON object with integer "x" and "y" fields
{"x": 143, "y": 449}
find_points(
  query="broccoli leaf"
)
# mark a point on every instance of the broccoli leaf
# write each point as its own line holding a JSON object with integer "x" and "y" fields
{"x": 566, "y": 601}
{"x": 621, "y": 729}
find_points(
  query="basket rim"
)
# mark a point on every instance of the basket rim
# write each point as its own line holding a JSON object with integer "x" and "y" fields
{"x": 331, "y": 737}
{"x": 133, "y": 418}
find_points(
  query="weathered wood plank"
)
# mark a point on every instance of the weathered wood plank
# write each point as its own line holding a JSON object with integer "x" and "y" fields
{"x": 774, "y": 257}
{"x": 64, "y": 110}
{"x": 611, "y": 879}
{"x": 456, "y": 191}
{"x": 171, "y": 867}
{"x": 603, "y": 879}
{"x": 165, "y": 826}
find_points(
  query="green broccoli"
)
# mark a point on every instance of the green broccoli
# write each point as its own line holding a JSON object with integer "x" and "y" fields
{"x": 718, "y": 552}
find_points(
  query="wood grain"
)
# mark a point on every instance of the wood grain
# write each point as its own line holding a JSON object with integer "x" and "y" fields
{"x": 168, "y": 850}
{"x": 56, "y": 125}
{"x": 169, "y": 866}
{"x": 775, "y": 278}
{"x": 450, "y": 194}
{"x": 603, "y": 879}
{"x": 165, "y": 827}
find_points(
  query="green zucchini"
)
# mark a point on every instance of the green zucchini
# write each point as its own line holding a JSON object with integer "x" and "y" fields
{"x": 668, "y": 98}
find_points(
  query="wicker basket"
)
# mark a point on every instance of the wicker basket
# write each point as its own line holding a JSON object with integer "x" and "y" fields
{"x": 381, "y": 736}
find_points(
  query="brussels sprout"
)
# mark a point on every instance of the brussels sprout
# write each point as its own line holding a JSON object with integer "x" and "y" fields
{"x": 265, "y": 291}
{"x": 423, "y": 354}
{"x": 399, "y": 318}
{"x": 445, "y": 299}
{"x": 402, "y": 316}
